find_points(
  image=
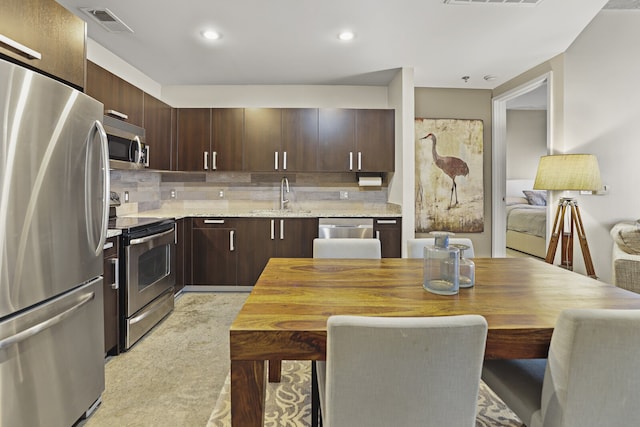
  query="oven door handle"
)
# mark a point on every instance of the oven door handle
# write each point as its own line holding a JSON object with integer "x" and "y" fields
{"x": 148, "y": 238}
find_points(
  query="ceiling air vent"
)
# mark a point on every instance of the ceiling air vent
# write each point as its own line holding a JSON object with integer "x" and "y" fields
{"x": 107, "y": 20}
{"x": 497, "y": 2}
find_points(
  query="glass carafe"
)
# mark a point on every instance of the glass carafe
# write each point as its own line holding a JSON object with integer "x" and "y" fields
{"x": 467, "y": 268}
{"x": 441, "y": 267}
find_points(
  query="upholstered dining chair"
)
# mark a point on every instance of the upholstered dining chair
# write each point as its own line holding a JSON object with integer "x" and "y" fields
{"x": 347, "y": 248}
{"x": 402, "y": 371}
{"x": 591, "y": 376}
{"x": 339, "y": 248}
{"x": 415, "y": 247}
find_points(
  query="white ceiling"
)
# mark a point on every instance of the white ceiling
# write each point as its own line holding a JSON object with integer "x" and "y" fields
{"x": 295, "y": 41}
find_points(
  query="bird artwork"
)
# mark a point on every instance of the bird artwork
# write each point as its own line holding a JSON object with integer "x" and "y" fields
{"x": 451, "y": 166}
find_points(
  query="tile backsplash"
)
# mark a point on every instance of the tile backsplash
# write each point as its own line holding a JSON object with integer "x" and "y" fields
{"x": 149, "y": 190}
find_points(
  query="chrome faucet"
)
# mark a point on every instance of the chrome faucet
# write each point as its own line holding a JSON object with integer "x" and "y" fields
{"x": 283, "y": 182}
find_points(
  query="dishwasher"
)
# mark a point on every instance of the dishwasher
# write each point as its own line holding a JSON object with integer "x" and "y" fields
{"x": 351, "y": 228}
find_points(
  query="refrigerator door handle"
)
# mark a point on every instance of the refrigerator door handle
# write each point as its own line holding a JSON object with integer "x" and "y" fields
{"x": 35, "y": 329}
{"x": 104, "y": 150}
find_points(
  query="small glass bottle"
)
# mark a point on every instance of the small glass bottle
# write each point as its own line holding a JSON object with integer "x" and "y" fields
{"x": 441, "y": 267}
{"x": 467, "y": 268}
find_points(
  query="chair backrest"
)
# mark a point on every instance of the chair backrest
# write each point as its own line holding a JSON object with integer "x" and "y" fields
{"x": 347, "y": 248}
{"x": 384, "y": 371}
{"x": 415, "y": 247}
{"x": 592, "y": 376}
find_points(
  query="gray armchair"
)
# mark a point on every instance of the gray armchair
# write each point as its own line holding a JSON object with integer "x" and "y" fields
{"x": 626, "y": 255}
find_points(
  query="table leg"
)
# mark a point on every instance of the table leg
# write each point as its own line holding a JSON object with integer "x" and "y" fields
{"x": 275, "y": 371}
{"x": 248, "y": 393}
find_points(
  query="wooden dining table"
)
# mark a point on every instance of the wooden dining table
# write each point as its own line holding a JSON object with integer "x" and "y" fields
{"x": 285, "y": 316}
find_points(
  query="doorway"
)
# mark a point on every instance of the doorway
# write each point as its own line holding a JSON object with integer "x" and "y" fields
{"x": 529, "y": 95}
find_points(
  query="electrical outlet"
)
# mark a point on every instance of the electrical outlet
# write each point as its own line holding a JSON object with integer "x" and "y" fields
{"x": 344, "y": 195}
{"x": 221, "y": 194}
{"x": 126, "y": 197}
{"x": 172, "y": 193}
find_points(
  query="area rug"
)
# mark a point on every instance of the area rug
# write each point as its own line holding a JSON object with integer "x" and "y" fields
{"x": 289, "y": 402}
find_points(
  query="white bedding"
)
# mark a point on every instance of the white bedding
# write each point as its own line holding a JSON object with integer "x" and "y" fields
{"x": 528, "y": 219}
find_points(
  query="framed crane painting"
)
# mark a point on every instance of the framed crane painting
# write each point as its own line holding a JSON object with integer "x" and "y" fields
{"x": 449, "y": 175}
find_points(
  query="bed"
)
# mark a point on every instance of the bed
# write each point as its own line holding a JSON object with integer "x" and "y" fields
{"x": 526, "y": 218}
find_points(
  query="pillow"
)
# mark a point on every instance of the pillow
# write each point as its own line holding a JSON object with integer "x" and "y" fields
{"x": 516, "y": 201}
{"x": 536, "y": 198}
{"x": 626, "y": 234}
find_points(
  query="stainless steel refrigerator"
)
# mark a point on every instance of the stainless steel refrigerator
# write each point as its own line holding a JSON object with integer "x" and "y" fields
{"x": 54, "y": 190}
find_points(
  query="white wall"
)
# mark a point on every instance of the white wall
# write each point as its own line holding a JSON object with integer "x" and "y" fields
{"x": 526, "y": 142}
{"x": 602, "y": 116}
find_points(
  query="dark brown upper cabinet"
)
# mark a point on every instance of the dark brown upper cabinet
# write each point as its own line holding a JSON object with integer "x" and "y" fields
{"x": 45, "y": 36}
{"x": 194, "y": 139}
{"x": 157, "y": 121}
{"x": 121, "y": 99}
{"x": 263, "y": 139}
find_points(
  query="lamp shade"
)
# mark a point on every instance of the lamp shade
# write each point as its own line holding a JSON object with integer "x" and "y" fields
{"x": 568, "y": 172}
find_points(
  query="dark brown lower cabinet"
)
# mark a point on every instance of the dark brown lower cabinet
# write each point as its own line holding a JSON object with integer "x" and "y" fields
{"x": 389, "y": 231}
{"x": 234, "y": 251}
{"x": 111, "y": 292}
{"x": 214, "y": 258}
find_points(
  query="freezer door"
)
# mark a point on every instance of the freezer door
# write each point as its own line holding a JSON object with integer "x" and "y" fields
{"x": 53, "y": 188}
{"x": 52, "y": 360}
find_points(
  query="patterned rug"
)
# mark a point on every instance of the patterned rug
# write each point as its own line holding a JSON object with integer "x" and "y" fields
{"x": 289, "y": 402}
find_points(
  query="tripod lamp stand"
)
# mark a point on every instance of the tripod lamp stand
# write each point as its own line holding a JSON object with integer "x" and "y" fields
{"x": 568, "y": 172}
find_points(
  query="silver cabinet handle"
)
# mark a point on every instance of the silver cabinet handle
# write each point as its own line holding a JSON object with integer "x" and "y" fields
{"x": 35, "y": 329}
{"x": 214, "y": 221}
{"x": 378, "y": 234}
{"x": 350, "y": 160}
{"x": 214, "y": 165}
{"x": 232, "y": 246}
{"x": 275, "y": 160}
{"x": 206, "y": 160}
{"x": 123, "y": 116}
{"x": 146, "y": 155}
{"x": 147, "y": 238}
{"x": 107, "y": 245}
{"x": 26, "y": 51}
{"x": 386, "y": 221}
{"x": 116, "y": 270}
{"x": 273, "y": 229}
{"x": 359, "y": 160}
{"x": 284, "y": 161}
{"x": 282, "y": 229}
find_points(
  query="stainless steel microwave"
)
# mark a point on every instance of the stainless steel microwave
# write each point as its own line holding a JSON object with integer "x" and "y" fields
{"x": 127, "y": 148}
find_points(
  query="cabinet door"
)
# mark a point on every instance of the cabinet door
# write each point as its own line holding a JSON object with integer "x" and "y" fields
{"x": 336, "y": 140}
{"x": 389, "y": 232}
{"x": 111, "y": 293}
{"x": 295, "y": 237}
{"x": 255, "y": 247}
{"x": 48, "y": 28}
{"x": 115, "y": 93}
{"x": 183, "y": 256}
{"x": 375, "y": 140}
{"x": 227, "y": 139}
{"x": 157, "y": 125}
{"x": 194, "y": 139}
{"x": 299, "y": 139}
{"x": 262, "y": 139}
{"x": 214, "y": 255}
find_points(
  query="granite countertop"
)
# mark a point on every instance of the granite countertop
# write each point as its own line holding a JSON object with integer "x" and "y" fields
{"x": 378, "y": 211}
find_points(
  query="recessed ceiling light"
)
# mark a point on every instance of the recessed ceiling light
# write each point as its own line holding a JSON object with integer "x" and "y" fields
{"x": 490, "y": 77}
{"x": 211, "y": 35}
{"x": 346, "y": 35}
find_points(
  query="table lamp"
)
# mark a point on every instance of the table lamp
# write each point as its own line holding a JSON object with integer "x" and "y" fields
{"x": 568, "y": 172}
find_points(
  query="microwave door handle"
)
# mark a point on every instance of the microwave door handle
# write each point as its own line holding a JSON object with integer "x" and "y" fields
{"x": 138, "y": 158}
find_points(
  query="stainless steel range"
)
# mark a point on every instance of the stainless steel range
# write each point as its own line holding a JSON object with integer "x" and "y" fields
{"x": 147, "y": 274}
